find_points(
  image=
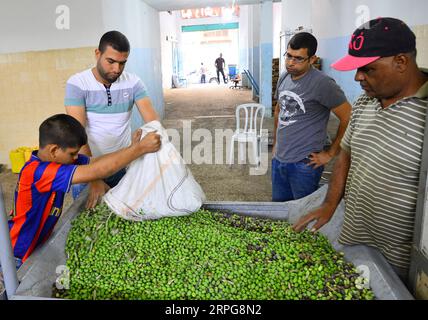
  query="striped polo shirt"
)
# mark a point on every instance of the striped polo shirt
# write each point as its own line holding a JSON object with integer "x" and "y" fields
{"x": 108, "y": 110}
{"x": 382, "y": 185}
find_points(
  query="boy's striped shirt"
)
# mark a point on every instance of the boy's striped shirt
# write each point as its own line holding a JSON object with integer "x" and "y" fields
{"x": 39, "y": 197}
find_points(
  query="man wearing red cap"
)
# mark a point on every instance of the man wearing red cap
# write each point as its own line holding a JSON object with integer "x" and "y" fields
{"x": 377, "y": 170}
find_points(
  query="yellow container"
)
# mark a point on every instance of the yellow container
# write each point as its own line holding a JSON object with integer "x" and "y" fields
{"x": 17, "y": 159}
{"x": 27, "y": 155}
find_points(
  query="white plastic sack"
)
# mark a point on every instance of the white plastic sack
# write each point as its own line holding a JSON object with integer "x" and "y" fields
{"x": 156, "y": 185}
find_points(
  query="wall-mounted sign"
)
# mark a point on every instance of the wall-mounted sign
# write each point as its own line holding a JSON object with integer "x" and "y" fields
{"x": 209, "y": 12}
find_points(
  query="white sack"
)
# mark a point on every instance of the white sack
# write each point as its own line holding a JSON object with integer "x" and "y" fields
{"x": 156, "y": 185}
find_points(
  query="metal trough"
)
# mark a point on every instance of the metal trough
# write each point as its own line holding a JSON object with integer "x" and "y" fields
{"x": 45, "y": 265}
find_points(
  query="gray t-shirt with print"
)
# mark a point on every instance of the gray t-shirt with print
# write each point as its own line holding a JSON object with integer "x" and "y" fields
{"x": 305, "y": 106}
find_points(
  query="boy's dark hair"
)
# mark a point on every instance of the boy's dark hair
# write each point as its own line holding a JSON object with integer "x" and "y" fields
{"x": 116, "y": 40}
{"x": 62, "y": 130}
{"x": 304, "y": 40}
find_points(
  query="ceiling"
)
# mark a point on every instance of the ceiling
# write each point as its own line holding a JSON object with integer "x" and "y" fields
{"x": 170, "y": 5}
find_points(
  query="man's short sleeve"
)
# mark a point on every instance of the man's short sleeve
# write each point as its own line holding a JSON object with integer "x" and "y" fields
{"x": 357, "y": 108}
{"x": 278, "y": 84}
{"x": 139, "y": 90}
{"x": 330, "y": 94}
{"x": 51, "y": 176}
{"x": 74, "y": 94}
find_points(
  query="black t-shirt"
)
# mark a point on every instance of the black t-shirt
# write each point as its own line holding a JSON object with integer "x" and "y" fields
{"x": 219, "y": 63}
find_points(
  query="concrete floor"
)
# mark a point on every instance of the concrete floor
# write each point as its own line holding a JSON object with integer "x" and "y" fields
{"x": 212, "y": 107}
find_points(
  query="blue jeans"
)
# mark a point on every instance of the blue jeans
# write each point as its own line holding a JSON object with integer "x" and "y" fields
{"x": 292, "y": 181}
{"x": 111, "y": 181}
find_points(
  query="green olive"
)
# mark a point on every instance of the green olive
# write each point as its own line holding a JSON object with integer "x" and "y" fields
{"x": 206, "y": 255}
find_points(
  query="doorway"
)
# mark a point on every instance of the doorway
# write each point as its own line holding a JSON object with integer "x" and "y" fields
{"x": 204, "y": 46}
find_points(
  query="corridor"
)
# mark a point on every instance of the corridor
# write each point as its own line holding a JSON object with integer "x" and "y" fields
{"x": 213, "y": 107}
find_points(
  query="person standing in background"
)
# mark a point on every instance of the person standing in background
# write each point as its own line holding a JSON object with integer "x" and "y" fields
{"x": 203, "y": 72}
{"x": 219, "y": 65}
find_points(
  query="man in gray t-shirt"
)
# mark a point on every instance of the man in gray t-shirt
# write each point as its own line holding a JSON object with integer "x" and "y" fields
{"x": 305, "y": 98}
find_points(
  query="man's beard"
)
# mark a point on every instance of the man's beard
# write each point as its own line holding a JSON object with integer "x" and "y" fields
{"x": 105, "y": 76}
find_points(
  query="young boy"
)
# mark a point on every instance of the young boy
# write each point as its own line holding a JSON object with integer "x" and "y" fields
{"x": 48, "y": 175}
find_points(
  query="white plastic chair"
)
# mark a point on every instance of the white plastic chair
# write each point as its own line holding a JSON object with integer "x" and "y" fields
{"x": 250, "y": 133}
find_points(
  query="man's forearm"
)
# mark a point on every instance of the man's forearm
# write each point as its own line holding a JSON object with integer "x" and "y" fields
{"x": 343, "y": 113}
{"x": 79, "y": 113}
{"x": 335, "y": 145}
{"x": 86, "y": 150}
{"x": 146, "y": 109}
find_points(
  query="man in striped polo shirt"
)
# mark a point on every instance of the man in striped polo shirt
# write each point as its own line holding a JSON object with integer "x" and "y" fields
{"x": 377, "y": 170}
{"x": 101, "y": 98}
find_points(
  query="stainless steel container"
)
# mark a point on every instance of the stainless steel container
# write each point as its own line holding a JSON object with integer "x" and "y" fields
{"x": 46, "y": 265}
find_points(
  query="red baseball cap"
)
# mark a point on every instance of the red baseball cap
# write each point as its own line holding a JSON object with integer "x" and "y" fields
{"x": 381, "y": 37}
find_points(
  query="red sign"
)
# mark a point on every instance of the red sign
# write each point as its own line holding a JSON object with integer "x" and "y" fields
{"x": 209, "y": 12}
